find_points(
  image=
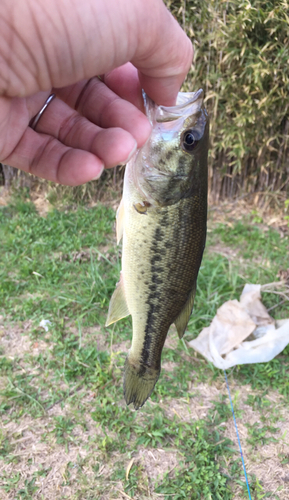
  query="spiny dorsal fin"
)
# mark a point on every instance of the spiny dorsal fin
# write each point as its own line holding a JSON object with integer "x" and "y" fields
{"x": 184, "y": 316}
{"x": 117, "y": 307}
{"x": 119, "y": 221}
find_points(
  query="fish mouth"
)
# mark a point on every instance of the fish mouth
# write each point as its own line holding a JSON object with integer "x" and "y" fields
{"x": 188, "y": 104}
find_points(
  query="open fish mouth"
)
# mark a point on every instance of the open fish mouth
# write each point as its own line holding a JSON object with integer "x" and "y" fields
{"x": 188, "y": 104}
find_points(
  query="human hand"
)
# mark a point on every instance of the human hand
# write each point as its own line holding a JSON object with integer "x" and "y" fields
{"x": 46, "y": 46}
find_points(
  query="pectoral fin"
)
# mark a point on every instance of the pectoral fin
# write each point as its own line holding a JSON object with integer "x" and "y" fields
{"x": 117, "y": 307}
{"x": 184, "y": 316}
{"x": 119, "y": 221}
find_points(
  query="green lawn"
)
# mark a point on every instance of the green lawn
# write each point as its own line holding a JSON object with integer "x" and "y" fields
{"x": 65, "y": 430}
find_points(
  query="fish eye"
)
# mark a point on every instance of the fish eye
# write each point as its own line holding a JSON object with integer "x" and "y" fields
{"x": 189, "y": 141}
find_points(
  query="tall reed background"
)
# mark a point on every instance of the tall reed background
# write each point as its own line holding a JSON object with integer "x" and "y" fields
{"x": 241, "y": 62}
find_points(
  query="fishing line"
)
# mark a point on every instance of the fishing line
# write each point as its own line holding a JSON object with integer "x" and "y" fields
{"x": 238, "y": 437}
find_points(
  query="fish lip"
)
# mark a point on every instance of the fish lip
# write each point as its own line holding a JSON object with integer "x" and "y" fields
{"x": 188, "y": 103}
{"x": 184, "y": 99}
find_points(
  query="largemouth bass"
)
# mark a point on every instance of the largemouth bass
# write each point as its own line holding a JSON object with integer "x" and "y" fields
{"x": 162, "y": 219}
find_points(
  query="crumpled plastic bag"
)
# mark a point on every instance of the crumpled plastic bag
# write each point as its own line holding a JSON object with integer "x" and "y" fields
{"x": 45, "y": 323}
{"x": 242, "y": 332}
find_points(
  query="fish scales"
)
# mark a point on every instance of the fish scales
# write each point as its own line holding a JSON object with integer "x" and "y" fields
{"x": 169, "y": 275}
{"x": 163, "y": 221}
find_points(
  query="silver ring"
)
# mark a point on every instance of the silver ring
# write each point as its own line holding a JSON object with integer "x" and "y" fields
{"x": 34, "y": 121}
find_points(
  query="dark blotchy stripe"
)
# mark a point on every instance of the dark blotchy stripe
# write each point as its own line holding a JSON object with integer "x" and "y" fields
{"x": 148, "y": 338}
{"x": 175, "y": 254}
{"x": 159, "y": 234}
{"x": 157, "y": 256}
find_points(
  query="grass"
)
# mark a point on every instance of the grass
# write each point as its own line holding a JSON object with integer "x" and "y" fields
{"x": 66, "y": 432}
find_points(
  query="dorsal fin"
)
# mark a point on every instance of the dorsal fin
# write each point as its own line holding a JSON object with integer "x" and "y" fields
{"x": 184, "y": 316}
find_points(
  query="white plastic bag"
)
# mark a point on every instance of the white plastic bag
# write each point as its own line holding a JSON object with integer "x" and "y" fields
{"x": 242, "y": 333}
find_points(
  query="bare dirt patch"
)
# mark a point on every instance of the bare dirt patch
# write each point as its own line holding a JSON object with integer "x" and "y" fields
{"x": 15, "y": 340}
{"x": 4, "y": 197}
{"x": 42, "y": 204}
{"x": 157, "y": 462}
{"x": 34, "y": 454}
{"x": 227, "y": 212}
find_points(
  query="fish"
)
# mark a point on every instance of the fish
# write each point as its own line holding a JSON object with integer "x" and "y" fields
{"x": 162, "y": 220}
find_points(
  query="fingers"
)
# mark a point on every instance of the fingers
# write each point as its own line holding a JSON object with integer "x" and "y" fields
{"x": 61, "y": 128}
{"x": 124, "y": 81}
{"x": 47, "y": 158}
{"x": 100, "y": 105}
{"x": 65, "y": 148}
{"x": 109, "y": 34}
{"x": 113, "y": 145}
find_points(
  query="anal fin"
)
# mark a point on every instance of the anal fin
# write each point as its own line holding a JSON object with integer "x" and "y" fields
{"x": 117, "y": 307}
{"x": 184, "y": 316}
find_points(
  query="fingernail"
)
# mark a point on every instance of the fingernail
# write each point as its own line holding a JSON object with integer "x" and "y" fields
{"x": 130, "y": 155}
{"x": 99, "y": 174}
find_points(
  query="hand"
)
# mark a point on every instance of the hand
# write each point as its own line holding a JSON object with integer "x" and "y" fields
{"x": 47, "y": 45}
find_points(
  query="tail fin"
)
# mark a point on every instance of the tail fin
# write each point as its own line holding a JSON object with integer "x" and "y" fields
{"x": 138, "y": 383}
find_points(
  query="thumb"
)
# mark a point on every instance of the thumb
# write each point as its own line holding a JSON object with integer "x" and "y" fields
{"x": 164, "y": 61}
